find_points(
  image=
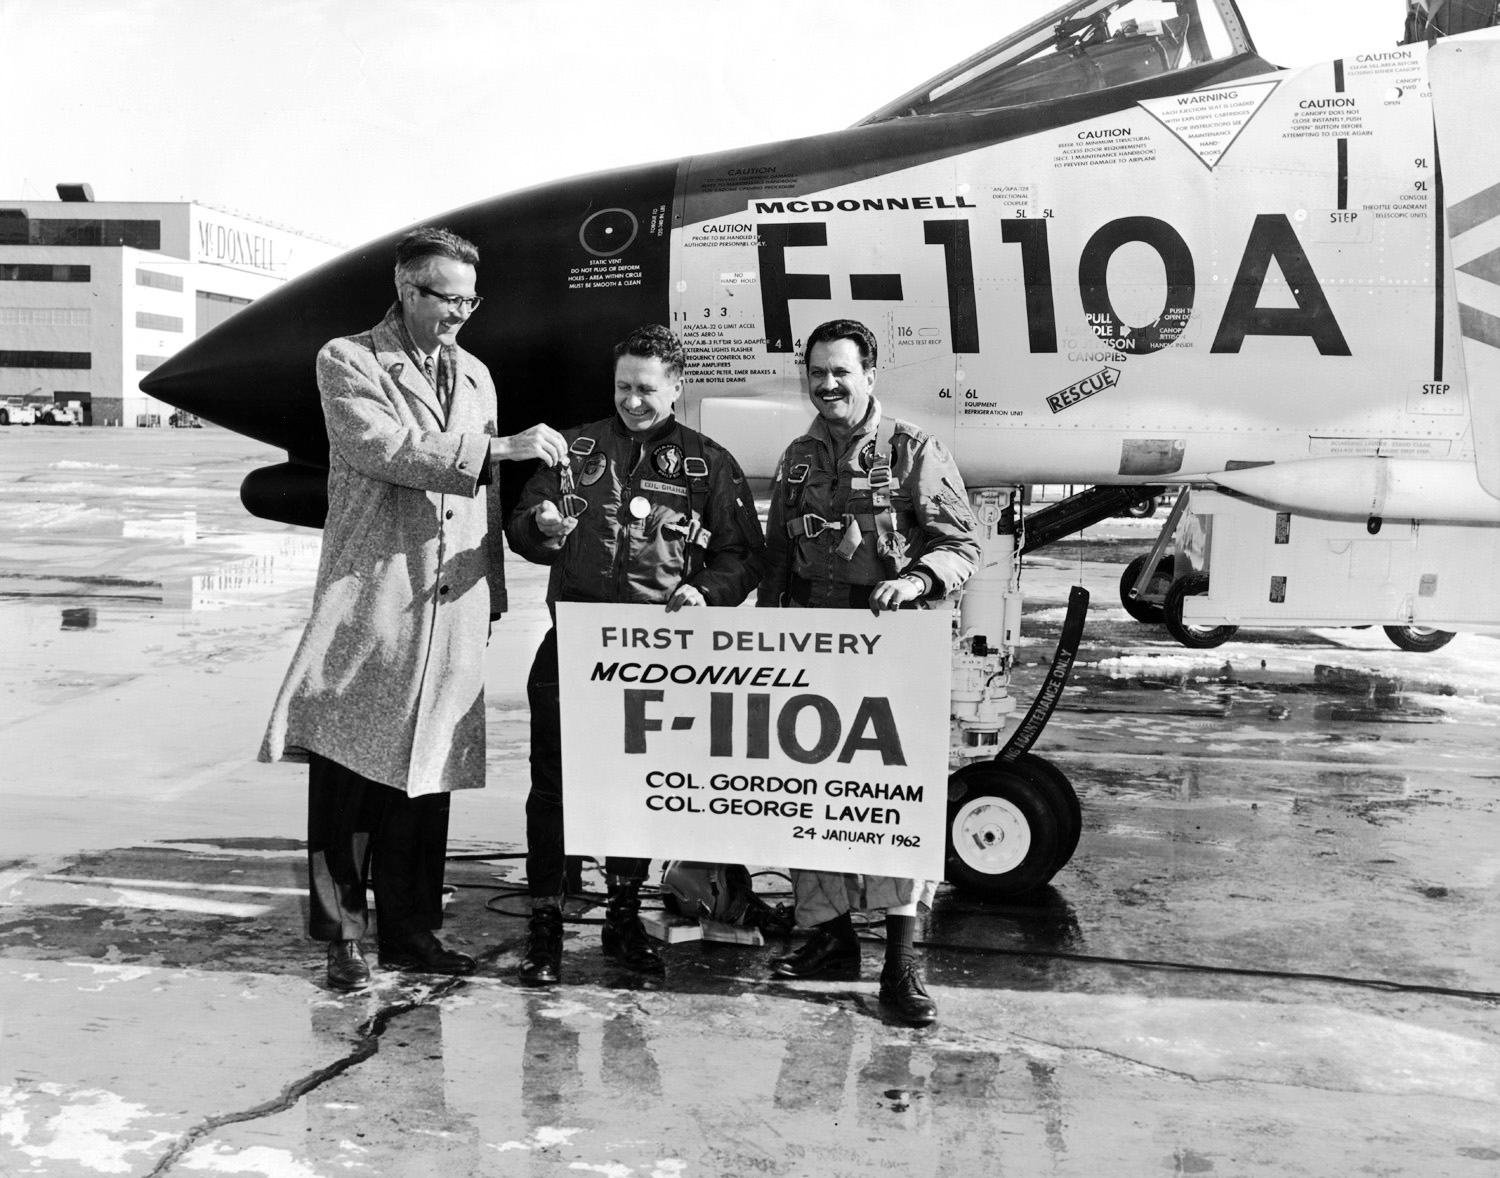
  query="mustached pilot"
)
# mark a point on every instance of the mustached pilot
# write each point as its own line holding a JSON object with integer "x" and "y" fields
{"x": 865, "y": 513}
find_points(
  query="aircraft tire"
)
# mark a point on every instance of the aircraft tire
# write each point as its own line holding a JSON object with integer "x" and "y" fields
{"x": 1195, "y": 637}
{"x": 1143, "y": 609}
{"x": 1005, "y": 835}
{"x": 1064, "y": 799}
{"x": 1142, "y": 508}
{"x": 1418, "y": 638}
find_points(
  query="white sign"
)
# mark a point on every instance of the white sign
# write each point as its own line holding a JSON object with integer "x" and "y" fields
{"x": 810, "y": 738}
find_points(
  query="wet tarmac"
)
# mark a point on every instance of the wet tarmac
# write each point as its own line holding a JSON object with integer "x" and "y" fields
{"x": 1276, "y": 951}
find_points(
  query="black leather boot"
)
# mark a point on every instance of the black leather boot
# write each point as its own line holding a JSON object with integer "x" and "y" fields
{"x": 623, "y": 937}
{"x": 542, "y": 965}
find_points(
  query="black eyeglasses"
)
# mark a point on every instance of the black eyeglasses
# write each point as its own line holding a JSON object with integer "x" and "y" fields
{"x": 468, "y": 304}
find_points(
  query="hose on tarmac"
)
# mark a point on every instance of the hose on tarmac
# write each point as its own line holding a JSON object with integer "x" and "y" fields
{"x": 871, "y": 931}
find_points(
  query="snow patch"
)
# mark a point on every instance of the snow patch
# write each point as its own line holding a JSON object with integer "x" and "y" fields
{"x": 257, "y": 1159}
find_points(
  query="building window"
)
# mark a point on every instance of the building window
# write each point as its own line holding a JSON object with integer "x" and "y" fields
{"x": 33, "y": 272}
{"x": 141, "y": 235}
{"x": 46, "y": 360}
{"x": 161, "y": 281}
{"x": 214, "y": 308}
{"x": 158, "y": 322}
{"x": 45, "y": 317}
{"x": 147, "y": 363}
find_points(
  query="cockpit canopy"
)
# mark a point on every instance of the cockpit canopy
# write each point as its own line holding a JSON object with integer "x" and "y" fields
{"x": 1083, "y": 46}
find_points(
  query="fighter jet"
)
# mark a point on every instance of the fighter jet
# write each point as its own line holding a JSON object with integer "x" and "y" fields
{"x": 1117, "y": 249}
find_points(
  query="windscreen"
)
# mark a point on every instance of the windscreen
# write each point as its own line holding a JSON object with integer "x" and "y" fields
{"x": 1084, "y": 46}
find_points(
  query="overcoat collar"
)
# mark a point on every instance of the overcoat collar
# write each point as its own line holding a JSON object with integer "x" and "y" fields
{"x": 394, "y": 353}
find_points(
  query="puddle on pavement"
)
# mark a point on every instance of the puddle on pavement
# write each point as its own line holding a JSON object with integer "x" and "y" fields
{"x": 224, "y": 571}
{"x": 1224, "y": 784}
{"x": 1334, "y": 694}
{"x": 290, "y": 565}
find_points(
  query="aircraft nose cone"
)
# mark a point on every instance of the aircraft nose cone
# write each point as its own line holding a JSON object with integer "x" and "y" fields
{"x": 185, "y": 380}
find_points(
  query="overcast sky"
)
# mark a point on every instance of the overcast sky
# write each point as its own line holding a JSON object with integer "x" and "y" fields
{"x": 350, "y": 118}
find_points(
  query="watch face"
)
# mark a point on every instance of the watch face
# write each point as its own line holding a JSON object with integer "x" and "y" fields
{"x": 593, "y": 468}
{"x": 668, "y": 460}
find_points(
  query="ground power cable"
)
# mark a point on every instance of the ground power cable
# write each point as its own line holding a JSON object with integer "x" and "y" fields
{"x": 869, "y": 932}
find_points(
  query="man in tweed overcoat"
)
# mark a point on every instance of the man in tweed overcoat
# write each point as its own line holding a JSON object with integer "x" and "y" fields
{"x": 385, "y": 695}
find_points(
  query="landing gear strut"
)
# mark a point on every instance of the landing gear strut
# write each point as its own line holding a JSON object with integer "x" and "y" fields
{"x": 1014, "y": 819}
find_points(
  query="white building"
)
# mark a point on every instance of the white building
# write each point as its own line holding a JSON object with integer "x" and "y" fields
{"x": 95, "y": 294}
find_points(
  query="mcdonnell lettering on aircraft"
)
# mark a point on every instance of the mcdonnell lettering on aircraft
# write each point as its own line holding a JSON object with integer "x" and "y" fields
{"x": 1105, "y": 378}
{"x": 872, "y": 205}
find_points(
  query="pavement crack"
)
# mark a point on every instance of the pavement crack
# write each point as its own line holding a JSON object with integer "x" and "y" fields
{"x": 368, "y": 1035}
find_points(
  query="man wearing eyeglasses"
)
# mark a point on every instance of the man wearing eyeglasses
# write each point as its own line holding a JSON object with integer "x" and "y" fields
{"x": 643, "y": 510}
{"x": 385, "y": 695}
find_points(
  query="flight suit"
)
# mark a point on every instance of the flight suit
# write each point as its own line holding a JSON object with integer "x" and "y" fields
{"x": 843, "y": 519}
{"x": 694, "y": 523}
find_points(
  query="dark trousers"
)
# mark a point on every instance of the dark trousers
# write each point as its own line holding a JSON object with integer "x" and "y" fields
{"x": 800, "y": 590}
{"x": 546, "y": 865}
{"x": 356, "y": 827}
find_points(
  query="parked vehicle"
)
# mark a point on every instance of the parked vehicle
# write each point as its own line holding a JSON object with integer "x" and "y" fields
{"x": 17, "y": 413}
{"x": 56, "y": 415}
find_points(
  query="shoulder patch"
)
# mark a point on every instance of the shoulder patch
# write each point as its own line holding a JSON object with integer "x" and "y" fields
{"x": 667, "y": 458}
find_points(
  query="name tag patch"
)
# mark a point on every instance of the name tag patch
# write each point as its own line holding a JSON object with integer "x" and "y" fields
{"x": 662, "y": 488}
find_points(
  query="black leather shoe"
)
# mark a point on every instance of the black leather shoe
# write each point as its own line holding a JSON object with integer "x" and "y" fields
{"x": 424, "y": 953}
{"x": 624, "y": 937}
{"x": 905, "y": 994}
{"x": 823, "y": 955}
{"x": 542, "y": 965}
{"x": 347, "y": 968}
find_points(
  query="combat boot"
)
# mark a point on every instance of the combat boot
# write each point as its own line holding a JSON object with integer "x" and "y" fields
{"x": 623, "y": 937}
{"x": 542, "y": 964}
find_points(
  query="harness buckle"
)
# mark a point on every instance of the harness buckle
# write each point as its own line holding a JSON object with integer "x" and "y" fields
{"x": 812, "y": 525}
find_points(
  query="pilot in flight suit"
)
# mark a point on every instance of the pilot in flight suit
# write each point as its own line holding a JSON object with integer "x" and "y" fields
{"x": 643, "y": 510}
{"x": 864, "y": 513}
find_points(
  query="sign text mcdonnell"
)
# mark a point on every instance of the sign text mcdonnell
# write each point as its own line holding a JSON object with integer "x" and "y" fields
{"x": 235, "y": 247}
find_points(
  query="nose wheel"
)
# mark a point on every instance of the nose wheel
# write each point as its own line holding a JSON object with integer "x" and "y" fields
{"x": 1012, "y": 826}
